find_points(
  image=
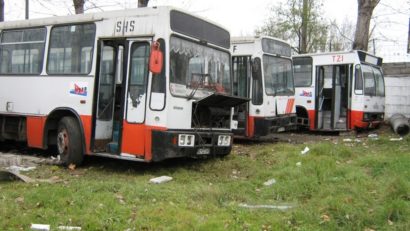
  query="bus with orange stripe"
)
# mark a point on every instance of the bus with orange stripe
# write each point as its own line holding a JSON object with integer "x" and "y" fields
{"x": 339, "y": 91}
{"x": 262, "y": 71}
{"x": 137, "y": 84}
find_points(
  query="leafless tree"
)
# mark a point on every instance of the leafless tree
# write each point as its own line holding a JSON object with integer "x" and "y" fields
{"x": 142, "y": 3}
{"x": 364, "y": 15}
{"x": 79, "y": 6}
{"x": 1, "y": 10}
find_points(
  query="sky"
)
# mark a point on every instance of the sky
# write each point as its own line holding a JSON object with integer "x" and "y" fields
{"x": 242, "y": 17}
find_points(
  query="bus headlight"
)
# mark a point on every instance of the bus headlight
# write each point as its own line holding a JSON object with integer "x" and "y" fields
{"x": 224, "y": 140}
{"x": 185, "y": 140}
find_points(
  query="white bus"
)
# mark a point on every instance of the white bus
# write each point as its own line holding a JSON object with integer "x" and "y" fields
{"x": 262, "y": 69}
{"x": 141, "y": 84}
{"x": 339, "y": 91}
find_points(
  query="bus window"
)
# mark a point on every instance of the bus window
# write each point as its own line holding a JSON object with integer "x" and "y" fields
{"x": 257, "y": 90}
{"x": 22, "y": 51}
{"x": 278, "y": 75}
{"x": 379, "y": 82}
{"x": 241, "y": 71}
{"x": 106, "y": 91}
{"x": 158, "y": 84}
{"x": 302, "y": 68}
{"x": 358, "y": 82}
{"x": 369, "y": 81}
{"x": 71, "y": 48}
{"x": 138, "y": 71}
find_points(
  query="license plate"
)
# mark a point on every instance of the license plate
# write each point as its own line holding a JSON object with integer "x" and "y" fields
{"x": 203, "y": 151}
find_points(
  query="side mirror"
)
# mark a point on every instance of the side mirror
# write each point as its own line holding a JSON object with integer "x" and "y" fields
{"x": 156, "y": 59}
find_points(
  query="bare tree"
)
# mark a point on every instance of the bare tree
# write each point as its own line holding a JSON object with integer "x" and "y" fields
{"x": 364, "y": 15}
{"x": 79, "y": 6}
{"x": 300, "y": 23}
{"x": 1, "y": 10}
{"x": 142, "y": 3}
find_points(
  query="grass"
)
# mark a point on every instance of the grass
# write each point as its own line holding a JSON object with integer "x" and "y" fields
{"x": 339, "y": 186}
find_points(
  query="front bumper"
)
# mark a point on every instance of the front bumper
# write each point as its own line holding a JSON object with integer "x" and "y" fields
{"x": 165, "y": 145}
{"x": 269, "y": 125}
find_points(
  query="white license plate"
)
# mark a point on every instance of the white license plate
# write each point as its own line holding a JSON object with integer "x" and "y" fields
{"x": 203, "y": 151}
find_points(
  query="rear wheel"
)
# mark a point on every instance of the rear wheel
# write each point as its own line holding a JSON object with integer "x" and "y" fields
{"x": 69, "y": 142}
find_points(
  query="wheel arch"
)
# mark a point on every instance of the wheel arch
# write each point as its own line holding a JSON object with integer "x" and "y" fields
{"x": 51, "y": 125}
{"x": 301, "y": 111}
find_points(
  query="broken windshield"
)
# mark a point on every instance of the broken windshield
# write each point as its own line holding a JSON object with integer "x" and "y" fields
{"x": 197, "y": 70}
{"x": 278, "y": 75}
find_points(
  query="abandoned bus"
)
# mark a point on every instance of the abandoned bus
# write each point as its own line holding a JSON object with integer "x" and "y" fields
{"x": 339, "y": 91}
{"x": 262, "y": 71}
{"x": 138, "y": 84}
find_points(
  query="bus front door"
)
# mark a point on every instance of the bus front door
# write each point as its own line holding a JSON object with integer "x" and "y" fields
{"x": 121, "y": 100}
{"x": 134, "y": 129}
{"x": 109, "y": 88}
{"x": 332, "y": 97}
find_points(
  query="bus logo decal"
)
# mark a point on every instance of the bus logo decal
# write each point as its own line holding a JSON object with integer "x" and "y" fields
{"x": 78, "y": 89}
{"x": 306, "y": 93}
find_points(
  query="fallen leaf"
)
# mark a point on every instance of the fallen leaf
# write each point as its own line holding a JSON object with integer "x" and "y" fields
{"x": 325, "y": 218}
{"x": 71, "y": 166}
{"x": 19, "y": 199}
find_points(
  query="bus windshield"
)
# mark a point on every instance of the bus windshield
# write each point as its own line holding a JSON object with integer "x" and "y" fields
{"x": 373, "y": 80}
{"x": 278, "y": 75}
{"x": 197, "y": 70}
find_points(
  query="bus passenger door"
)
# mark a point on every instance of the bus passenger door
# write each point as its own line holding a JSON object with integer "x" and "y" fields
{"x": 241, "y": 81}
{"x": 107, "y": 117}
{"x": 134, "y": 130}
{"x": 332, "y": 97}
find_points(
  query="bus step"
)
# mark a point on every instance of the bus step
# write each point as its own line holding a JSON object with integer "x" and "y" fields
{"x": 115, "y": 136}
{"x": 112, "y": 147}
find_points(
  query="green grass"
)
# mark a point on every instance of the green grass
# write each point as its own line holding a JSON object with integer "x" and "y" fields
{"x": 339, "y": 186}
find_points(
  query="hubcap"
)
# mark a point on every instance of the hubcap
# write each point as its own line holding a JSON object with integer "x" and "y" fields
{"x": 62, "y": 141}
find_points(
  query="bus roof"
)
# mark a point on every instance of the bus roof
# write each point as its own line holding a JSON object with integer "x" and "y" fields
{"x": 252, "y": 39}
{"x": 363, "y": 56}
{"x": 92, "y": 17}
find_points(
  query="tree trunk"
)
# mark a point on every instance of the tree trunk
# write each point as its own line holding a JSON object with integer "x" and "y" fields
{"x": 305, "y": 17}
{"x": 364, "y": 15}
{"x": 79, "y": 6}
{"x": 1, "y": 10}
{"x": 142, "y": 3}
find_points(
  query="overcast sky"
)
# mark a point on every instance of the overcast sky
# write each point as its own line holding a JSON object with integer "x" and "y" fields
{"x": 242, "y": 17}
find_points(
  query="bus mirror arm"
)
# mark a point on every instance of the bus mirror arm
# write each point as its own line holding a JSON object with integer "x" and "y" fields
{"x": 156, "y": 58}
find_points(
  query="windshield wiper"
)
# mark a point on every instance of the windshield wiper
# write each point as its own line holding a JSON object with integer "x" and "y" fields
{"x": 198, "y": 84}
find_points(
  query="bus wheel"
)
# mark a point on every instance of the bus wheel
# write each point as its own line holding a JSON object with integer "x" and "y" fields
{"x": 69, "y": 142}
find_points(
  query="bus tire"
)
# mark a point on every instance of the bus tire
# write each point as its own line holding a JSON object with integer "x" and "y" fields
{"x": 69, "y": 142}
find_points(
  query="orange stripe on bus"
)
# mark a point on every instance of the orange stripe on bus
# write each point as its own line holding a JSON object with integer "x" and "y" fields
{"x": 86, "y": 122}
{"x": 137, "y": 139}
{"x": 35, "y": 131}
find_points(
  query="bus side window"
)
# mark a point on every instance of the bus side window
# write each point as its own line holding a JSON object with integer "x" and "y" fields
{"x": 257, "y": 90}
{"x": 358, "y": 82}
{"x": 71, "y": 48}
{"x": 22, "y": 51}
{"x": 138, "y": 72}
{"x": 158, "y": 85}
{"x": 241, "y": 71}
